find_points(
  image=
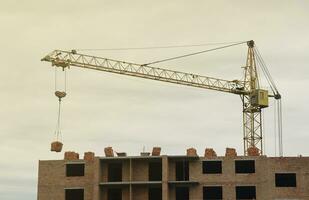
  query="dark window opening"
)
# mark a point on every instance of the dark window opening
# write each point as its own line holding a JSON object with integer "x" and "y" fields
{"x": 182, "y": 193}
{"x": 245, "y": 192}
{"x": 212, "y": 192}
{"x": 285, "y": 180}
{"x": 114, "y": 194}
{"x": 75, "y": 169}
{"x": 182, "y": 171}
{"x": 155, "y": 171}
{"x": 212, "y": 167}
{"x": 244, "y": 166}
{"x": 74, "y": 194}
{"x": 155, "y": 193}
{"x": 114, "y": 172}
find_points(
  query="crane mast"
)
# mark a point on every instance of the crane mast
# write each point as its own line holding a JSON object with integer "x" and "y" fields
{"x": 252, "y": 118}
{"x": 253, "y": 98}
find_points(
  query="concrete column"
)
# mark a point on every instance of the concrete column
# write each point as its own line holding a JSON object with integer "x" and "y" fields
{"x": 165, "y": 194}
{"x": 130, "y": 171}
{"x": 96, "y": 178}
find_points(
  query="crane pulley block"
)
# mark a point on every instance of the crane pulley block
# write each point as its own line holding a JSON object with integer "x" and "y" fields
{"x": 57, "y": 62}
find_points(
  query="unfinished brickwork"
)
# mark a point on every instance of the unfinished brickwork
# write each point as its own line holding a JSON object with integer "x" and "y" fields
{"x": 52, "y": 180}
{"x": 128, "y": 178}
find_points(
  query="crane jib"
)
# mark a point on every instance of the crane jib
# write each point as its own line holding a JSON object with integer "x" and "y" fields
{"x": 66, "y": 59}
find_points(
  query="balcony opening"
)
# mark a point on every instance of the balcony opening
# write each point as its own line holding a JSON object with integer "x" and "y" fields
{"x": 182, "y": 193}
{"x": 155, "y": 171}
{"x": 74, "y": 194}
{"x": 182, "y": 171}
{"x": 75, "y": 169}
{"x": 245, "y": 192}
{"x": 285, "y": 179}
{"x": 212, "y": 167}
{"x": 212, "y": 192}
{"x": 244, "y": 166}
{"x": 155, "y": 193}
{"x": 115, "y": 172}
{"x": 114, "y": 194}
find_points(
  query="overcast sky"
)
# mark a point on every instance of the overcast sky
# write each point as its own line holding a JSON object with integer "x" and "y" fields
{"x": 128, "y": 113}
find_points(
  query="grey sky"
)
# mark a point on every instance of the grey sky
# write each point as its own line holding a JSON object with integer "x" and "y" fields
{"x": 128, "y": 113}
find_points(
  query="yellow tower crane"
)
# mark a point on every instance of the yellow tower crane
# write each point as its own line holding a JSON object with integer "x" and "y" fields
{"x": 254, "y": 99}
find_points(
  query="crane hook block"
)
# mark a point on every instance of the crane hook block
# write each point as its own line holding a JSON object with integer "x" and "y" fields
{"x": 60, "y": 94}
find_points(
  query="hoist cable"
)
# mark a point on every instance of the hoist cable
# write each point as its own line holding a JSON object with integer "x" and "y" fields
{"x": 280, "y": 127}
{"x": 278, "y": 111}
{"x": 278, "y": 105}
{"x": 159, "y": 47}
{"x": 58, "y": 122}
{"x": 55, "y": 79}
{"x": 267, "y": 79}
{"x": 266, "y": 70}
{"x": 65, "y": 80}
{"x": 192, "y": 54}
{"x": 268, "y": 76}
{"x": 275, "y": 125}
{"x": 263, "y": 132}
{"x": 58, "y": 130}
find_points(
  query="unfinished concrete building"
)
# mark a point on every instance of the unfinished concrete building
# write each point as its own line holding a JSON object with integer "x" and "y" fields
{"x": 182, "y": 177}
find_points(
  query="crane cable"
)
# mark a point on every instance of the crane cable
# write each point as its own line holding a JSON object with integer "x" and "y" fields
{"x": 275, "y": 125}
{"x": 165, "y": 47}
{"x": 175, "y": 46}
{"x": 58, "y": 129}
{"x": 192, "y": 54}
{"x": 266, "y": 72}
{"x": 278, "y": 104}
{"x": 160, "y": 47}
{"x": 60, "y": 95}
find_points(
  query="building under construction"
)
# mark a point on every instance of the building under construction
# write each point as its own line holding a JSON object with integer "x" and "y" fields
{"x": 181, "y": 177}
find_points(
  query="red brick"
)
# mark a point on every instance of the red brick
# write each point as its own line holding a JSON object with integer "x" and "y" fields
{"x": 56, "y": 146}
{"x": 89, "y": 156}
{"x": 210, "y": 153}
{"x": 253, "y": 151}
{"x": 109, "y": 152}
{"x": 230, "y": 152}
{"x": 191, "y": 152}
{"x": 156, "y": 151}
{"x": 71, "y": 155}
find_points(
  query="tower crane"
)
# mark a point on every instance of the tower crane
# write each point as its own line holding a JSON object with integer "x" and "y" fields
{"x": 253, "y": 98}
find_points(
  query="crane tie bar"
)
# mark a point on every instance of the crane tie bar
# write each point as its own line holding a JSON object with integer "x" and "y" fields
{"x": 192, "y": 54}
